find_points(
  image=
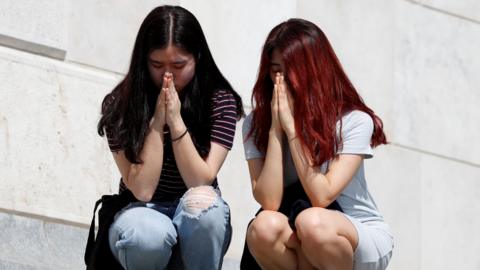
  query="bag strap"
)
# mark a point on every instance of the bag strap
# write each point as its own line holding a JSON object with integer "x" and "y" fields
{"x": 91, "y": 234}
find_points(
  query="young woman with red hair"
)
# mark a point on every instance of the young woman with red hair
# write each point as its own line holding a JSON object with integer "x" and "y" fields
{"x": 305, "y": 142}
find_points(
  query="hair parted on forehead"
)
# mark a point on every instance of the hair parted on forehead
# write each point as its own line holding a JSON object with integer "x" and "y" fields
{"x": 127, "y": 110}
{"x": 320, "y": 87}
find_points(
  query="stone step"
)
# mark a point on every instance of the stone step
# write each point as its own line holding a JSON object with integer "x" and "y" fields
{"x": 33, "y": 244}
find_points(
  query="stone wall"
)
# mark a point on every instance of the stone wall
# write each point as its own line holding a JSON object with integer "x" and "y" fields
{"x": 414, "y": 62}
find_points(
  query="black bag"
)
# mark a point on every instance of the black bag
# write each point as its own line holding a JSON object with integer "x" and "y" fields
{"x": 97, "y": 252}
{"x": 294, "y": 201}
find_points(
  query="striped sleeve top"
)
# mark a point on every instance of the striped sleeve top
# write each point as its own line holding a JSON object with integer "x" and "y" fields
{"x": 224, "y": 118}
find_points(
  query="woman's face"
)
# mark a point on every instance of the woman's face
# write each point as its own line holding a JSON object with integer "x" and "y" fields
{"x": 174, "y": 60}
{"x": 277, "y": 66}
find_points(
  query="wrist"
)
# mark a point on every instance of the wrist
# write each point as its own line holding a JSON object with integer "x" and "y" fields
{"x": 174, "y": 139}
{"x": 177, "y": 129}
{"x": 157, "y": 123}
{"x": 291, "y": 134}
{"x": 277, "y": 133}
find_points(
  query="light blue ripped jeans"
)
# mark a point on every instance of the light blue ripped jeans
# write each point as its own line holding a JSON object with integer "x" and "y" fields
{"x": 191, "y": 233}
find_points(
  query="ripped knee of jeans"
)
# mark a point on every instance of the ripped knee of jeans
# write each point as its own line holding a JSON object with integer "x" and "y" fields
{"x": 199, "y": 199}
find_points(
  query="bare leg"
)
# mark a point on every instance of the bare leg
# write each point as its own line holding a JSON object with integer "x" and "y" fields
{"x": 269, "y": 237}
{"x": 303, "y": 263}
{"x": 328, "y": 239}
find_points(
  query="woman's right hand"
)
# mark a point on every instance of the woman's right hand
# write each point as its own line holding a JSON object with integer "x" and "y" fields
{"x": 276, "y": 127}
{"x": 160, "y": 108}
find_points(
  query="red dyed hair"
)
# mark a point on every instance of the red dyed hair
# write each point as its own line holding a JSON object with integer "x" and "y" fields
{"x": 321, "y": 90}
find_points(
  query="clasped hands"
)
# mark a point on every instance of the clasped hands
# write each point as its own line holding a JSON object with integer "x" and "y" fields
{"x": 282, "y": 109}
{"x": 167, "y": 110}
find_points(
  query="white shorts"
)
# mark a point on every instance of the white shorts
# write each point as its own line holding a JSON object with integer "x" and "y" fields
{"x": 375, "y": 245}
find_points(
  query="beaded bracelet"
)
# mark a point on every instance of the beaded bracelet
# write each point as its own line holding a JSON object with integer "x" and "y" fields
{"x": 181, "y": 136}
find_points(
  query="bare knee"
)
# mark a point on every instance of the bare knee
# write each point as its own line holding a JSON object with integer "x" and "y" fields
{"x": 315, "y": 224}
{"x": 318, "y": 231}
{"x": 197, "y": 199}
{"x": 266, "y": 228}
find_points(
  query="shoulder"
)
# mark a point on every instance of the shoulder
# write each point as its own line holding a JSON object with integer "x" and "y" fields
{"x": 357, "y": 120}
{"x": 222, "y": 95}
{"x": 357, "y": 130}
{"x": 224, "y": 106}
{"x": 247, "y": 125}
{"x": 223, "y": 99}
{"x": 251, "y": 150}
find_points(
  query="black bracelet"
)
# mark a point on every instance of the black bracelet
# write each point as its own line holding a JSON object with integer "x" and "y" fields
{"x": 181, "y": 136}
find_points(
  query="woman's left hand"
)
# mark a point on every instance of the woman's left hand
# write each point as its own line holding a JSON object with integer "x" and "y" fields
{"x": 173, "y": 117}
{"x": 285, "y": 109}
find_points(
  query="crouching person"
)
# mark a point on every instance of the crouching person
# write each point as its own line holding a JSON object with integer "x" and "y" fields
{"x": 305, "y": 141}
{"x": 170, "y": 124}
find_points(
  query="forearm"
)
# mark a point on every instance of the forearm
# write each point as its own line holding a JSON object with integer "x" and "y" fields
{"x": 268, "y": 187}
{"x": 316, "y": 185}
{"x": 143, "y": 178}
{"x": 192, "y": 167}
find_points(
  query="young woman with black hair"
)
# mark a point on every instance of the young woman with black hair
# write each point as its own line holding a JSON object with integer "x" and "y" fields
{"x": 309, "y": 129}
{"x": 170, "y": 124}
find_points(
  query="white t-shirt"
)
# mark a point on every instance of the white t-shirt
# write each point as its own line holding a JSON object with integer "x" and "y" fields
{"x": 357, "y": 129}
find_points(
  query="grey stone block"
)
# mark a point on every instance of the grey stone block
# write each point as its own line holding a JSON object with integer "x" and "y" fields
{"x": 5, "y": 265}
{"x": 33, "y": 244}
{"x": 29, "y": 243}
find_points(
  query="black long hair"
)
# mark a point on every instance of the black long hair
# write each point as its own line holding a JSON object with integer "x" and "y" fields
{"x": 127, "y": 110}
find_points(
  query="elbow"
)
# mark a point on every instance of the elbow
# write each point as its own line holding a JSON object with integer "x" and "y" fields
{"x": 197, "y": 182}
{"x": 271, "y": 204}
{"x": 210, "y": 177}
{"x": 144, "y": 196}
{"x": 320, "y": 195}
{"x": 322, "y": 200}
{"x": 321, "y": 203}
{"x": 205, "y": 179}
{"x": 140, "y": 192}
